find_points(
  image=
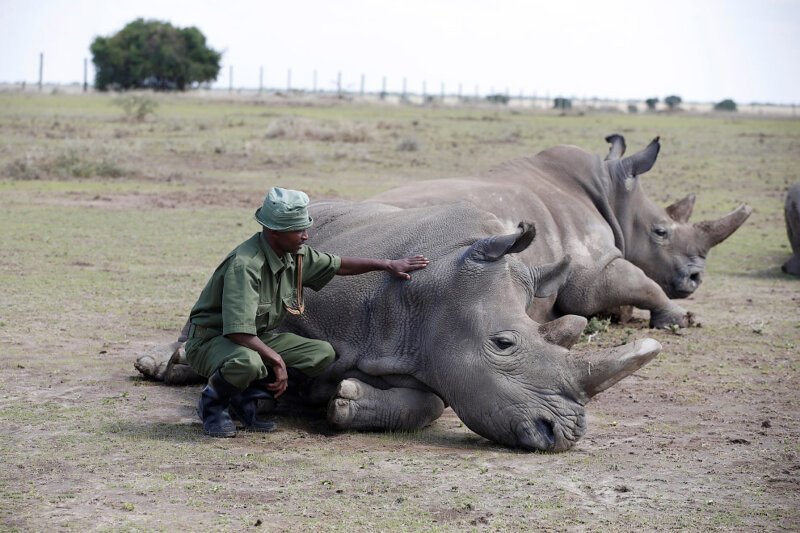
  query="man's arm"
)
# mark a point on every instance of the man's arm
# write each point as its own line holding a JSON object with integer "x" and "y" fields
{"x": 398, "y": 268}
{"x": 270, "y": 357}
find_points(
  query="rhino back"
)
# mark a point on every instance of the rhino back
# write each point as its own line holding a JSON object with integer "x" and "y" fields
{"x": 367, "y": 316}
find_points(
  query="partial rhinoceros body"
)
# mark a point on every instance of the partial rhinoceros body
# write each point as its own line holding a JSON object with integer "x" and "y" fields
{"x": 625, "y": 250}
{"x": 792, "y": 213}
{"x": 456, "y": 334}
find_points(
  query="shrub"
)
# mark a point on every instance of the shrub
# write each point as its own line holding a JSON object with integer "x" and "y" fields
{"x": 302, "y": 129}
{"x": 502, "y": 99}
{"x": 136, "y": 106}
{"x": 651, "y": 103}
{"x": 673, "y": 102}
{"x": 725, "y": 105}
{"x": 562, "y": 103}
{"x": 408, "y": 144}
{"x": 68, "y": 164}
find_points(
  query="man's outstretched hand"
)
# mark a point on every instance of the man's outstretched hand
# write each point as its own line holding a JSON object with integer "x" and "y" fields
{"x": 400, "y": 268}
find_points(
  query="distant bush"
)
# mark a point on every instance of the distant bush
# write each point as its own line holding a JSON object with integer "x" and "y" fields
{"x": 673, "y": 102}
{"x": 562, "y": 103}
{"x": 725, "y": 105}
{"x": 68, "y": 164}
{"x": 632, "y": 108}
{"x": 502, "y": 99}
{"x": 303, "y": 129}
{"x": 408, "y": 144}
{"x": 136, "y": 106}
{"x": 150, "y": 54}
{"x": 651, "y": 103}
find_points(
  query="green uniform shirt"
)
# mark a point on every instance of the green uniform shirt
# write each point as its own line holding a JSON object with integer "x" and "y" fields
{"x": 247, "y": 292}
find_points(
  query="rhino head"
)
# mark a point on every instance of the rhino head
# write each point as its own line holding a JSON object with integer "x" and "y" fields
{"x": 662, "y": 242}
{"x": 509, "y": 378}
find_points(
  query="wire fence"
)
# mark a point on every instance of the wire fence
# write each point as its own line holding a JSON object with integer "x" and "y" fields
{"x": 356, "y": 90}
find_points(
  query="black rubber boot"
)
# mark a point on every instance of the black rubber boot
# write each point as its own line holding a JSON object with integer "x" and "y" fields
{"x": 213, "y": 407}
{"x": 244, "y": 406}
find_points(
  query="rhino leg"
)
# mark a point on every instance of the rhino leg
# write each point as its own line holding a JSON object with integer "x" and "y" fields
{"x": 621, "y": 283}
{"x": 357, "y": 405}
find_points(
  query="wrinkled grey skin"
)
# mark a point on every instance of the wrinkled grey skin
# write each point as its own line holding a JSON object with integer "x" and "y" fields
{"x": 792, "y": 213}
{"x": 456, "y": 334}
{"x": 626, "y": 250}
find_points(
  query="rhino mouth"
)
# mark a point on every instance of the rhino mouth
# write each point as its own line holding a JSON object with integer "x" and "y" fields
{"x": 547, "y": 435}
{"x": 683, "y": 285}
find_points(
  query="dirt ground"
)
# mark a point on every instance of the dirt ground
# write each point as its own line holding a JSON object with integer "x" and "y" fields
{"x": 705, "y": 437}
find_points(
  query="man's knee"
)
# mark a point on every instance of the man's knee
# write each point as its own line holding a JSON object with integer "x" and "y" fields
{"x": 243, "y": 367}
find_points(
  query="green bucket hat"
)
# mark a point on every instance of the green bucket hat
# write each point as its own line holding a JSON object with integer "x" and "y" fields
{"x": 284, "y": 210}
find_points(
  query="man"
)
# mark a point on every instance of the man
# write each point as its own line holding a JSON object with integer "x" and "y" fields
{"x": 230, "y": 336}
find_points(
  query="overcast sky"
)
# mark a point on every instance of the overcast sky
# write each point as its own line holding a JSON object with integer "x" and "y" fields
{"x": 701, "y": 50}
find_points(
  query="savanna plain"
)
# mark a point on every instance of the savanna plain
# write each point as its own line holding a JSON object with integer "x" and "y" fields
{"x": 111, "y": 226}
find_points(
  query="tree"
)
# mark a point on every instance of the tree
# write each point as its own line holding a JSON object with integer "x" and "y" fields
{"x": 651, "y": 103}
{"x": 672, "y": 102}
{"x": 725, "y": 105}
{"x": 150, "y": 54}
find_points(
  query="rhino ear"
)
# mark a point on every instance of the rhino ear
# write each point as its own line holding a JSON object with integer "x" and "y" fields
{"x": 495, "y": 247}
{"x": 681, "y": 210}
{"x": 549, "y": 278}
{"x": 617, "y": 149}
{"x": 641, "y": 162}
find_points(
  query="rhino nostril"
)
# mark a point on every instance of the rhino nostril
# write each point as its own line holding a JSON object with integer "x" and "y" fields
{"x": 695, "y": 277}
{"x": 545, "y": 428}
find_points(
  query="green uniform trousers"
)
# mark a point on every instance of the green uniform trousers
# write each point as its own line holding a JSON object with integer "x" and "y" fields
{"x": 240, "y": 366}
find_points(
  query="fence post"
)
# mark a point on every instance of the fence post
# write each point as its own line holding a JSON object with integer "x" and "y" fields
{"x": 315, "y": 82}
{"x": 85, "y": 74}
{"x": 41, "y": 69}
{"x": 339, "y": 84}
{"x": 362, "y": 86}
{"x": 289, "y": 81}
{"x": 230, "y": 79}
{"x": 383, "y": 88}
{"x": 405, "y": 95}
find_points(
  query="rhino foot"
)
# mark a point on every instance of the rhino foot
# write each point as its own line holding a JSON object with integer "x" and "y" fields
{"x": 343, "y": 407}
{"x": 674, "y": 316}
{"x": 357, "y": 405}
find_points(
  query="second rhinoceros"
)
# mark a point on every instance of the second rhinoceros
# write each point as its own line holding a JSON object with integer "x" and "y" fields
{"x": 792, "y": 214}
{"x": 626, "y": 250}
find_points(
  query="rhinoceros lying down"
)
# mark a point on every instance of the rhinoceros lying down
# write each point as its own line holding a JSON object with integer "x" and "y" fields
{"x": 792, "y": 213}
{"x": 456, "y": 334}
{"x": 626, "y": 250}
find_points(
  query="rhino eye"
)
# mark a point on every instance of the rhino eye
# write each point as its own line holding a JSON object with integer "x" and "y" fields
{"x": 503, "y": 343}
{"x": 660, "y": 232}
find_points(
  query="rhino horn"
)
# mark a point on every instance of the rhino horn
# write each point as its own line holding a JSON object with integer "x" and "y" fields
{"x": 550, "y": 277}
{"x": 495, "y": 247}
{"x": 642, "y": 161}
{"x": 603, "y": 369}
{"x": 617, "y": 149}
{"x": 713, "y": 232}
{"x": 681, "y": 210}
{"x": 564, "y": 331}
